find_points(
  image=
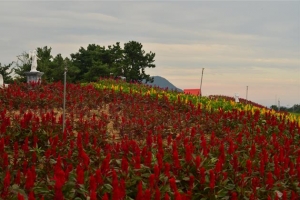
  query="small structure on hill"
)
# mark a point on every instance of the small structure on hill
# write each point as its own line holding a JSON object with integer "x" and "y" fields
{"x": 33, "y": 75}
{"x": 2, "y": 84}
{"x": 236, "y": 98}
{"x": 192, "y": 91}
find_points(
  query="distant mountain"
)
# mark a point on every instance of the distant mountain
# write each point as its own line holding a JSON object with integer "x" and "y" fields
{"x": 163, "y": 83}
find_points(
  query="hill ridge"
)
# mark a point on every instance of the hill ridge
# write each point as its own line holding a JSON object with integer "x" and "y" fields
{"x": 163, "y": 83}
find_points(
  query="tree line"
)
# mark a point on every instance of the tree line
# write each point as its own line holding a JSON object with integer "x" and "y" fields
{"x": 86, "y": 65}
{"x": 294, "y": 109}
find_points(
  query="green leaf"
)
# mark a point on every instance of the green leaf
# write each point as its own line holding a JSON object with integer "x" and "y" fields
{"x": 16, "y": 189}
{"x": 108, "y": 186}
{"x": 230, "y": 186}
{"x": 186, "y": 178}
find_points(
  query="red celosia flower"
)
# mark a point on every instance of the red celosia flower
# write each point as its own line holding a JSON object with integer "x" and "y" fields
{"x": 148, "y": 159}
{"x": 211, "y": 179}
{"x": 284, "y": 195}
{"x": 222, "y": 151}
{"x": 298, "y": 173}
{"x": 243, "y": 180}
{"x": 35, "y": 141}
{"x": 6, "y": 181}
{"x": 204, "y": 147}
{"x": 276, "y": 196}
{"x": 218, "y": 166}
{"x": 25, "y": 145}
{"x": 137, "y": 162}
{"x": 147, "y": 195}
{"x": 33, "y": 173}
{"x": 149, "y": 139}
{"x": 2, "y": 144}
{"x": 269, "y": 181}
{"x": 262, "y": 168}
{"x": 231, "y": 147}
{"x": 252, "y": 151}
{"x": 58, "y": 195}
{"x": 105, "y": 197}
{"x": 93, "y": 195}
{"x": 98, "y": 177}
{"x": 5, "y": 160}
{"x": 29, "y": 179}
{"x": 16, "y": 152}
{"x": 151, "y": 181}
{"x": 176, "y": 160}
{"x": 234, "y": 196}
{"x": 33, "y": 156}
{"x": 212, "y": 138}
{"x": 105, "y": 164}
{"x": 172, "y": 182}
{"x": 156, "y": 171}
{"x": 191, "y": 182}
{"x": 235, "y": 162}
{"x": 122, "y": 189}
{"x": 291, "y": 171}
{"x": 167, "y": 169}
{"x": 31, "y": 196}
{"x": 249, "y": 166}
{"x": 294, "y": 196}
{"x": 124, "y": 165}
{"x": 188, "y": 154}
{"x": 139, "y": 195}
{"x": 80, "y": 175}
{"x": 115, "y": 186}
{"x": 20, "y": 197}
{"x": 159, "y": 160}
{"x": 197, "y": 162}
{"x": 93, "y": 184}
{"x": 157, "y": 194}
{"x": 167, "y": 197}
{"x": 177, "y": 195}
{"x": 202, "y": 175}
{"x": 255, "y": 184}
{"x": 84, "y": 157}
{"x": 18, "y": 178}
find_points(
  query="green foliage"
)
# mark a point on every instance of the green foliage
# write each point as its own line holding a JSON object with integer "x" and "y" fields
{"x": 22, "y": 65}
{"x": 88, "y": 65}
{"x": 135, "y": 62}
{"x": 44, "y": 58}
{"x": 294, "y": 109}
{"x": 91, "y": 62}
{"x": 6, "y": 71}
{"x": 53, "y": 67}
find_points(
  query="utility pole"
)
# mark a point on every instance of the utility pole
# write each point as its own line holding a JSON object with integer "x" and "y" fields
{"x": 247, "y": 94}
{"x": 64, "y": 101}
{"x": 200, "y": 93}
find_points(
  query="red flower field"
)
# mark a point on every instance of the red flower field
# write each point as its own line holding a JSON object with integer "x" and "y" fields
{"x": 125, "y": 144}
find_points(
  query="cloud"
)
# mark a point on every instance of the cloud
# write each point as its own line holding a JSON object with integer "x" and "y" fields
{"x": 238, "y": 43}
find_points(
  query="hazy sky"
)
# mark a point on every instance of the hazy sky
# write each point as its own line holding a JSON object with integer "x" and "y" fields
{"x": 239, "y": 43}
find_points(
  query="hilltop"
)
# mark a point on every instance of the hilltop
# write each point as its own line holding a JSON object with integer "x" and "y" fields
{"x": 162, "y": 82}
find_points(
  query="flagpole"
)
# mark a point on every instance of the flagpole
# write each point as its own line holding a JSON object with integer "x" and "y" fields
{"x": 200, "y": 93}
{"x": 64, "y": 101}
